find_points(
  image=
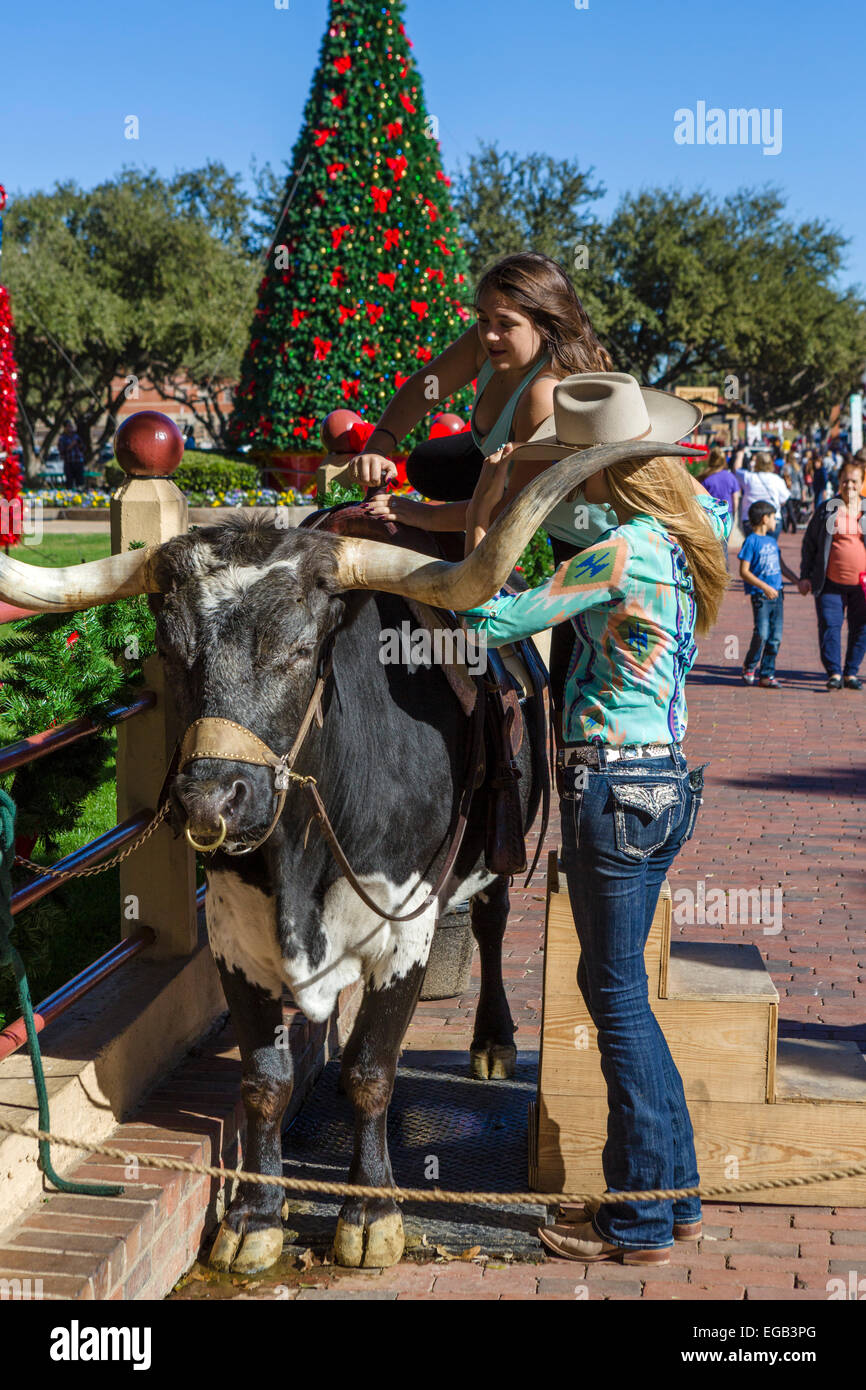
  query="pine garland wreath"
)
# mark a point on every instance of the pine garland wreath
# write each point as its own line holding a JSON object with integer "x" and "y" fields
{"x": 56, "y": 668}
{"x": 10, "y": 471}
{"x": 365, "y": 278}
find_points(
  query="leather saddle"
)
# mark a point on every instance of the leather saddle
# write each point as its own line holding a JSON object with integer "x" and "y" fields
{"x": 514, "y": 676}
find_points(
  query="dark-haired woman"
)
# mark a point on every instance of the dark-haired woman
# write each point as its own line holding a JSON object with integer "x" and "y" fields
{"x": 531, "y": 332}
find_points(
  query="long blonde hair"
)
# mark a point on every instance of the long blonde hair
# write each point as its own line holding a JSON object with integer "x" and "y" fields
{"x": 663, "y": 489}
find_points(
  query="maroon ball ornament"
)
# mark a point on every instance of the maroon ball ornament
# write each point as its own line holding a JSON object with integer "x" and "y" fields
{"x": 148, "y": 445}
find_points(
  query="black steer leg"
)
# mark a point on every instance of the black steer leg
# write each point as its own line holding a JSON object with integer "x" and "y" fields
{"x": 370, "y": 1232}
{"x": 492, "y": 1055}
{"x": 251, "y": 1236}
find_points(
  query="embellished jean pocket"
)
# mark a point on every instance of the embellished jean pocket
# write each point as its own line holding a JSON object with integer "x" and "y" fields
{"x": 643, "y": 814}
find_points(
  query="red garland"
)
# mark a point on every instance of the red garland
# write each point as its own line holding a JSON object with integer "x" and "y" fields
{"x": 10, "y": 470}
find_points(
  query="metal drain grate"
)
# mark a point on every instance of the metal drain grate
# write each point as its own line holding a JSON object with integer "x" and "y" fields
{"x": 475, "y": 1131}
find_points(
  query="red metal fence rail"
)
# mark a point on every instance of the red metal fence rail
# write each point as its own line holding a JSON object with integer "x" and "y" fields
{"x": 27, "y": 750}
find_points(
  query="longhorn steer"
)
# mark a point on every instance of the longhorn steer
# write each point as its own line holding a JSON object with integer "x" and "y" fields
{"x": 245, "y": 616}
{"x": 247, "y": 613}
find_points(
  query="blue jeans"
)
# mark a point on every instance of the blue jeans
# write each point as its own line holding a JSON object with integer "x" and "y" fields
{"x": 832, "y": 604}
{"x": 768, "y": 614}
{"x": 621, "y": 832}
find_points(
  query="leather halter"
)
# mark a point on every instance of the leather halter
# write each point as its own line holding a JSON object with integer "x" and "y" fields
{"x": 223, "y": 738}
{"x": 232, "y": 742}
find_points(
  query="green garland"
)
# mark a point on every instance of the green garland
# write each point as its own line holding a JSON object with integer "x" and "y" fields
{"x": 54, "y": 669}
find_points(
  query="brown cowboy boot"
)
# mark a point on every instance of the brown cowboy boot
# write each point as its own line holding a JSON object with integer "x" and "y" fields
{"x": 683, "y": 1230}
{"x": 580, "y": 1242}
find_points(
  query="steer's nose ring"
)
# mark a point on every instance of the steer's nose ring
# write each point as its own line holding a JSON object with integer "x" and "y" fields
{"x": 214, "y": 844}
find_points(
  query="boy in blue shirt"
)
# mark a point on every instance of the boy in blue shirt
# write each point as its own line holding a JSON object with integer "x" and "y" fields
{"x": 761, "y": 569}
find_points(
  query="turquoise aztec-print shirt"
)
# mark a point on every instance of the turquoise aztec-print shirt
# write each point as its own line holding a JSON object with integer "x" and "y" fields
{"x": 630, "y": 599}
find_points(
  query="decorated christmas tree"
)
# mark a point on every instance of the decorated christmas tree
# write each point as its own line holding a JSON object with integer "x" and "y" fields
{"x": 365, "y": 278}
{"x": 10, "y": 471}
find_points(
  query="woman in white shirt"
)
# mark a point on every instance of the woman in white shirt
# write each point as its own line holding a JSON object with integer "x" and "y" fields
{"x": 764, "y": 485}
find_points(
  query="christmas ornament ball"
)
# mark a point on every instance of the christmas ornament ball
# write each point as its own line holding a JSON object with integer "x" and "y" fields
{"x": 445, "y": 424}
{"x": 355, "y": 439}
{"x": 338, "y": 423}
{"x": 148, "y": 445}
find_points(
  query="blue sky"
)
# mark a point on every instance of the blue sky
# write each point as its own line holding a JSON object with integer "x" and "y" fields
{"x": 227, "y": 79}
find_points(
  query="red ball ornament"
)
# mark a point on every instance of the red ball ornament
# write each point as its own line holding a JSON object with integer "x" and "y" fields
{"x": 447, "y": 424}
{"x": 148, "y": 445}
{"x": 337, "y": 424}
{"x": 355, "y": 439}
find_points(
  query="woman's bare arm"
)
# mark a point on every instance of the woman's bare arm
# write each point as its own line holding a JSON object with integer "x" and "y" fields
{"x": 438, "y": 379}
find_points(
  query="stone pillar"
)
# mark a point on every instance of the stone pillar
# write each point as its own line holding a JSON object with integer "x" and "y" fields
{"x": 334, "y": 469}
{"x": 157, "y": 882}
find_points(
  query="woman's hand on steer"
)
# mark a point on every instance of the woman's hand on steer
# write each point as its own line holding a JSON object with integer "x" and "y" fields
{"x": 372, "y": 470}
{"x": 493, "y": 480}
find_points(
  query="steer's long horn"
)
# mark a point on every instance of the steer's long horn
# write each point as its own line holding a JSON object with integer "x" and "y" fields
{"x": 77, "y": 586}
{"x": 363, "y": 564}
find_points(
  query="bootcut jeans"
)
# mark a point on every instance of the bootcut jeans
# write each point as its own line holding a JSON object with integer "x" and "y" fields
{"x": 622, "y": 827}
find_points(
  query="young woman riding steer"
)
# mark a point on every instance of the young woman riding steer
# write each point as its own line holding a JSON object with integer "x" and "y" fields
{"x": 531, "y": 332}
{"x": 629, "y": 802}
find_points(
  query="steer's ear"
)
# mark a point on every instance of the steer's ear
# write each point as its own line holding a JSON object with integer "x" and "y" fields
{"x": 178, "y": 560}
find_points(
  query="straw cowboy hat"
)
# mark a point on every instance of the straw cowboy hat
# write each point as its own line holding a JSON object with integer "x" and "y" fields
{"x": 592, "y": 408}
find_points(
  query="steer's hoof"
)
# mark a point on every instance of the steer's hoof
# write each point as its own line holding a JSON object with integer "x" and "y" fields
{"x": 258, "y": 1249}
{"x": 494, "y": 1063}
{"x": 372, "y": 1244}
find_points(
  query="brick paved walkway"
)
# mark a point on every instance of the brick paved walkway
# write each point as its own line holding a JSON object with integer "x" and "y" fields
{"x": 783, "y": 808}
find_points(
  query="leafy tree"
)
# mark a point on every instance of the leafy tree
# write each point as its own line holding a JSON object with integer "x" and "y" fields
{"x": 139, "y": 277}
{"x": 692, "y": 288}
{"x": 508, "y": 202}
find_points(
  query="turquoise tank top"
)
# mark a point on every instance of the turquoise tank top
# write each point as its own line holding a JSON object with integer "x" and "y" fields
{"x": 501, "y": 431}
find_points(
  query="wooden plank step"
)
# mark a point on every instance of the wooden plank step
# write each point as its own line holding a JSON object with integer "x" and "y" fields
{"x": 719, "y": 971}
{"x": 724, "y": 1051}
{"x": 809, "y": 1069}
{"x": 753, "y": 1141}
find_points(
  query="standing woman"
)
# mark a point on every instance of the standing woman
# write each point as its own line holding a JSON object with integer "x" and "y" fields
{"x": 721, "y": 483}
{"x": 629, "y": 802}
{"x": 764, "y": 485}
{"x": 832, "y": 560}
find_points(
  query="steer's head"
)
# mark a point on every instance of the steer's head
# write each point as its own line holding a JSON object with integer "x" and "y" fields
{"x": 243, "y": 618}
{"x": 245, "y": 611}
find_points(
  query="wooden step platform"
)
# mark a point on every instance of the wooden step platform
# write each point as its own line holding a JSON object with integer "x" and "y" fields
{"x": 761, "y": 1107}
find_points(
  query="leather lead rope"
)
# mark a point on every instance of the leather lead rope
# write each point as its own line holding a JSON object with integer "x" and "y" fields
{"x": 438, "y": 893}
{"x": 221, "y": 731}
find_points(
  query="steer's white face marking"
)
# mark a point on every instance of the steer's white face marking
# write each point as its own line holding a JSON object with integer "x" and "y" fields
{"x": 242, "y": 930}
{"x": 223, "y": 587}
